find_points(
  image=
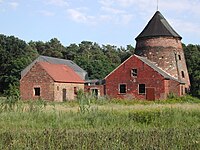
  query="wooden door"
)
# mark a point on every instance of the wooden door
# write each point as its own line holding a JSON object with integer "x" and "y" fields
{"x": 150, "y": 93}
{"x": 64, "y": 94}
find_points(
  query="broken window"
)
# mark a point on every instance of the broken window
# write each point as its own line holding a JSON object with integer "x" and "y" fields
{"x": 183, "y": 75}
{"x": 141, "y": 88}
{"x": 134, "y": 72}
{"x": 37, "y": 91}
{"x": 122, "y": 88}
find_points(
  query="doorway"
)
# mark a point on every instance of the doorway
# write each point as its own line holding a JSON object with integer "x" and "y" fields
{"x": 150, "y": 93}
{"x": 64, "y": 91}
{"x": 95, "y": 92}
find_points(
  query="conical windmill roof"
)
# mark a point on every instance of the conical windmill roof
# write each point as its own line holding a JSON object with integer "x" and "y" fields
{"x": 158, "y": 26}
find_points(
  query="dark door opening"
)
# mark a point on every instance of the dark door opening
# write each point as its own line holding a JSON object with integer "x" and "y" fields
{"x": 64, "y": 95}
{"x": 150, "y": 93}
{"x": 95, "y": 92}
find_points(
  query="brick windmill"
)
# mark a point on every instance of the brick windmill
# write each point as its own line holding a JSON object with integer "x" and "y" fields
{"x": 161, "y": 44}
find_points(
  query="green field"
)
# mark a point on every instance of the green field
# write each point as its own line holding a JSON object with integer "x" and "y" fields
{"x": 100, "y": 124}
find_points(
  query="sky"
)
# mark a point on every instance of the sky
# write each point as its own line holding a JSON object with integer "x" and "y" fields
{"x": 114, "y": 22}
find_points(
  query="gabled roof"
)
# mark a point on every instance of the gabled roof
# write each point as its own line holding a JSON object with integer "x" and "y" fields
{"x": 61, "y": 73}
{"x": 82, "y": 73}
{"x": 157, "y": 69}
{"x": 158, "y": 26}
{"x": 150, "y": 64}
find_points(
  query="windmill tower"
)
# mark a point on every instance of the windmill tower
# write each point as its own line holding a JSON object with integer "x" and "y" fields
{"x": 160, "y": 43}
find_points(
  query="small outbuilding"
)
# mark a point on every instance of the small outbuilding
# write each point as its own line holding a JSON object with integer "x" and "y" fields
{"x": 53, "y": 82}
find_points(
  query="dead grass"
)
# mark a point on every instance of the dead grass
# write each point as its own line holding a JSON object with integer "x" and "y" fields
{"x": 66, "y": 108}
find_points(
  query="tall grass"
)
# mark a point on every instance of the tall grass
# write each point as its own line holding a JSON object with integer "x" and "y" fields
{"x": 29, "y": 125}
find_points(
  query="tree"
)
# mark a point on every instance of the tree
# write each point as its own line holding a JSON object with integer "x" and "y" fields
{"x": 52, "y": 48}
{"x": 192, "y": 56}
{"x": 15, "y": 55}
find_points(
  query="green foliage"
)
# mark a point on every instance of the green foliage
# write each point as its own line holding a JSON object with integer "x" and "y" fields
{"x": 192, "y": 56}
{"x": 15, "y": 55}
{"x": 83, "y": 101}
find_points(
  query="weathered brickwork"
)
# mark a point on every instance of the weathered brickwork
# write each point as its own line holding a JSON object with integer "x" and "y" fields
{"x": 37, "y": 77}
{"x": 145, "y": 75}
{"x": 167, "y": 53}
{"x": 71, "y": 89}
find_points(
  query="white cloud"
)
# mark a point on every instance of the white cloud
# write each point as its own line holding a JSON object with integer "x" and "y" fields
{"x": 14, "y": 5}
{"x": 112, "y": 10}
{"x": 47, "y": 13}
{"x": 80, "y": 17}
{"x": 106, "y": 3}
{"x": 60, "y": 3}
{"x": 186, "y": 27}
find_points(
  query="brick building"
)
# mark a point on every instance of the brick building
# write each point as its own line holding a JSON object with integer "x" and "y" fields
{"x": 157, "y": 68}
{"x": 139, "y": 78}
{"x": 54, "y": 82}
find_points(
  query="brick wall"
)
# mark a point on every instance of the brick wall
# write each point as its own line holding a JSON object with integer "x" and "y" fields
{"x": 146, "y": 75}
{"x": 37, "y": 78}
{"x": 70, "y": 95}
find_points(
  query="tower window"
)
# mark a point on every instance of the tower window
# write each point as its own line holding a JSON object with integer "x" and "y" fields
{"x": 183, "y": 75}
{"x": 179, "y": 57}
{"x": 141, "y": 88}
{"x": 122, "y": 88}
{"x": 37, "y": 91}
{"x": 134, "y": 72}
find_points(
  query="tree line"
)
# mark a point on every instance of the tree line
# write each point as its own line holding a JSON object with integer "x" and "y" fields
{"x": 97, "y": 60}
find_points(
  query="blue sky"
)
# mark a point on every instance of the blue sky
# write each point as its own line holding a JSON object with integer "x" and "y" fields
{"x": 115, "y": 22}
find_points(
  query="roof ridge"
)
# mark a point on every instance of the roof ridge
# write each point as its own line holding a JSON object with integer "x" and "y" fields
{"x": 157, "y": 68}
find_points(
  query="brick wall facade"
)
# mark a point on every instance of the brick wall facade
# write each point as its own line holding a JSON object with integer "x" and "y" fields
{"x": 37, "y": 77}
{"x": 145, "y": 75}
{"x": 71, "y": 89}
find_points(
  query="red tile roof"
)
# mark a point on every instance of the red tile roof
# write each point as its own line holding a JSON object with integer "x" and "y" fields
{"x": 61, "y": 73}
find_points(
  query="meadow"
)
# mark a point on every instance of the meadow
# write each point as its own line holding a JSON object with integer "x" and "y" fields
{"x": 90, "y": 123}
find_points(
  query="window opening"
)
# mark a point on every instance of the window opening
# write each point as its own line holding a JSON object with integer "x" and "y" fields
{"x": 37, "y": 91}
{"x": 134, "y": 72}
{"x": 179, "y": 57}
{"x": 122, "y": 88}
{"x": 141, "y": 88}
{"x": 75, "y": 90}
{"x": 183, "y": 75}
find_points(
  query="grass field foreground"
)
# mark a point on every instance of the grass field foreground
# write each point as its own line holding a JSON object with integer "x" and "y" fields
{"x": 111, "y": 124}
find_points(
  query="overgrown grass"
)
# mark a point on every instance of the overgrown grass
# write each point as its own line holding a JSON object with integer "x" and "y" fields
{"x": 42, "y": 125}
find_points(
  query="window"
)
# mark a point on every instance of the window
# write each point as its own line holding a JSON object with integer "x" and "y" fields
{"x": 141, "y": 88}
{"x": 75, "y": 90}
{"x": 134, "y": 72}
{"x": 37, "y": 91}
{"x": 57, "y": 88}
{"x": 122, "y": 88}
{"x": 179, "y": 57}
{"x": 183, "y": 75}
